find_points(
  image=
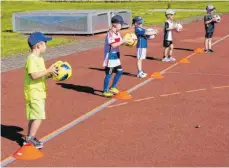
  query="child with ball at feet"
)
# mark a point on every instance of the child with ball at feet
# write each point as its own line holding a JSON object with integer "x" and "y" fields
{"x": 34, "y": 86}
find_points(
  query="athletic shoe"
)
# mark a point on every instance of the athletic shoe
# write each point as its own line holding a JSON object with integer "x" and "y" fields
{"x": 165, "y": 59}
{"x": 141, "y": 74}
{"x": 34, "y": 141}
{"x": 210, "y": 50}
{"x": 172, "y": 59}
{"x": 114, "y": 90}
{"x": 107, "y": 94}
{"x": 206, "y": 51}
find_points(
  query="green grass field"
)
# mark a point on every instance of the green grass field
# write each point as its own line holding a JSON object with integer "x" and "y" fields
{"x": 13, "y": 43}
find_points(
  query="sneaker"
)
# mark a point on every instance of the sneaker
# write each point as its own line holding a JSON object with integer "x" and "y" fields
{"x": 114, "y": 90}
{"x": 34, "y": 141}
{"x": 141, "y": 74}
{"x": 107, "y": 94}
{"x": 210, "y": 50}
{"x": 165, "y": 59}
{"x": 144, "y": 74}
{"x": 206, "y": 51}
{"x": 172, "y": 59}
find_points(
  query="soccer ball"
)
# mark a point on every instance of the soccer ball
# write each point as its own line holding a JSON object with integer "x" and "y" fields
{"x": 150, "y": 30}
{"x": 179, "y": 27}
{"x": 218, "y": 18}
{"x": 131, "y": 38}
{"x": 64, "y": 71}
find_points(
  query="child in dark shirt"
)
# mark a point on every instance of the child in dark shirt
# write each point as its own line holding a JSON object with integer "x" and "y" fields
{"x": 209, "y": 22}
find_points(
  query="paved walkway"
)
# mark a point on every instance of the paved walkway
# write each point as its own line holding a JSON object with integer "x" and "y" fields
{"x": 18, "y": 61}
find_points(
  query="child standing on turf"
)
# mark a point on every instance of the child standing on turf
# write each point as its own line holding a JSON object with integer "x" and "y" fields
{"x": 142, "y": 36}
{"x": 209, "y": 22}
{"x": 112, "y": 61}
{"x": 168, "y": 37}
{"x": 34, "y": 86}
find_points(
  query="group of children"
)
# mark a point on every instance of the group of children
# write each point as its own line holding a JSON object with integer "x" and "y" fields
{"x": 114, "y": 40}
{"x": 36, "y": 73}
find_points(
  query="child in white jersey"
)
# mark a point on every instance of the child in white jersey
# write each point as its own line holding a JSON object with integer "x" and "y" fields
{"x": 168, "y": 36}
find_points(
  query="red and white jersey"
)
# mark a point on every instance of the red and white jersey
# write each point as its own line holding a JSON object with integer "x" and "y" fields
{"x": 111, "y": 55}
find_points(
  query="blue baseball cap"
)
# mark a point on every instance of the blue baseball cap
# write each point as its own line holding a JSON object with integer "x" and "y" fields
{"x": 138, "y": 19}
{"x": 37, "y": 37}
{"x": 117, "y": 19}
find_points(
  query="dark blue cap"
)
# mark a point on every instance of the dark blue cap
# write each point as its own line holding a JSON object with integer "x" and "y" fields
{"x": 117, "y": 19}
{"x": 37, "y": 37}
{"x": 138, "y": 19}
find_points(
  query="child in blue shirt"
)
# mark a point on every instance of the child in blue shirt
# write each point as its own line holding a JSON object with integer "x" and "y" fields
{"x": 142, "y": 35}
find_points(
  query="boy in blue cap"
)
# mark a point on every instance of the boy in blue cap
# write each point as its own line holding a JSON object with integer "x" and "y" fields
{"x": 142, "y": 35}
{"x": 209, "y": 22}
{"x": 112, "y": 61}
{"x": 34, "y": 86}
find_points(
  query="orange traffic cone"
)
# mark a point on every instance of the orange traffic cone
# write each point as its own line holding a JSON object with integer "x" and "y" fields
{"x": 123, "y": 95}
{"x": 199, "y": 50}
{"x": 28, "y": 152}
{"x": 184, "y": 61}
{"x": 157, "y": 75}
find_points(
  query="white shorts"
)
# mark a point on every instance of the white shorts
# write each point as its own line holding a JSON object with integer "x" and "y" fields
{"x": 141, "y": 53}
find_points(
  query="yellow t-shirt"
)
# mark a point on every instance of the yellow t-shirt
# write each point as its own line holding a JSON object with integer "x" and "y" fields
{"x": 34, "y": 89}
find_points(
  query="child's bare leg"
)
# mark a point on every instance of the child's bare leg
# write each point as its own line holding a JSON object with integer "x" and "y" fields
{"x": 166, "y": 55}
{"x": 171, "y": 53}
{"x": 210, "y": 43}
{"x": 139, "y": 65}
{"x": 29, "y": 126}
{"x": 206, "y": 44}
{"x": 166, "y": 52}
{"x": 33, "y": 127}
{"x": 171, "y": 50}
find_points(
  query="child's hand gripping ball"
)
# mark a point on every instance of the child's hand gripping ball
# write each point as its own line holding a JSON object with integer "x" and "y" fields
{"x": 130, "y": 39}
{"x": 179, "y": 27}
{"x": 64, "y": 71}
{"x": 217, "y": 18}
{"x": 154, "y": 32}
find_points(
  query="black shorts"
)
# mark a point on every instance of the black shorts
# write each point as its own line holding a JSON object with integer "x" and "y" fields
{"x": 209, "y": 34}
{"x": 110, "y": 70}
{"x": 167, "y": 43}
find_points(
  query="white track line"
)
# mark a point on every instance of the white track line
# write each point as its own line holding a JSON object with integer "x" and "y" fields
{"x": 202, "y": 74}
{"x": 196, "y": 90}
{"x": 176, "y": 93}
{"x": 220, "y": 87}
{"x": 147, "y": 98}
{"x": 116, "y": 105}
{"x": 170, "y": 94}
